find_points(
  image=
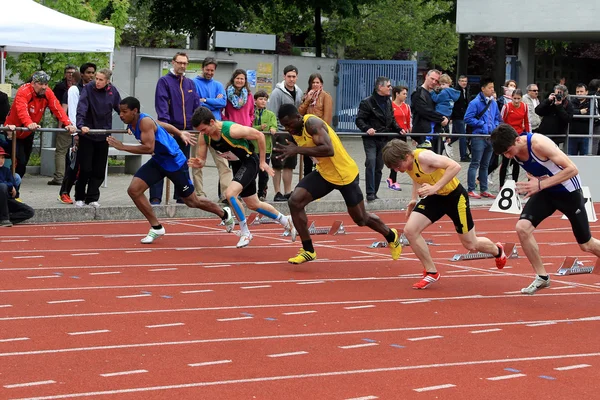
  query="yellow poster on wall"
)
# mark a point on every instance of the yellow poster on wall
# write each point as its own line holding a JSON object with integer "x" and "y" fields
{"x": 264, "y": 77}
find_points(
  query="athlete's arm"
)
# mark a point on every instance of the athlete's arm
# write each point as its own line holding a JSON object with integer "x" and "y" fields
{"x": 414, "y": 198}
{"x": 201, "y": 150}
{"x": 185, "y": 136}
{"x": 148, "y": 130}
{"x": 429, "y": 162}
{"x": 245, "y": 132}
{"x": 545, "y": 148}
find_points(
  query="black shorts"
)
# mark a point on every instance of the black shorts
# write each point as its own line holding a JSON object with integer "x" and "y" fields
{"x": 318, "y": 187}
{"x": 245, "y": 172}
{"x": 288, "y": 163}
{"x": 152, "y": 173}
{"x": 543, "y": 204}
{"x": 455, "y": 205}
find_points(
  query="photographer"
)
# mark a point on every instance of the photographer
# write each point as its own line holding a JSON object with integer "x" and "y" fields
{"x": 557, "y": 112}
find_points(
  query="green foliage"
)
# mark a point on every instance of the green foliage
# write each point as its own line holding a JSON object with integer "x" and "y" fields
{"x": 138, "y": 32}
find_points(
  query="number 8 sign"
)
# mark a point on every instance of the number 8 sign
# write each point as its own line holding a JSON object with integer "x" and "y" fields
{"x": 508, "y": 201}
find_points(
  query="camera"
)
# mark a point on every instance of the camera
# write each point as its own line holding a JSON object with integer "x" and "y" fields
{"x": 558, "y": 97}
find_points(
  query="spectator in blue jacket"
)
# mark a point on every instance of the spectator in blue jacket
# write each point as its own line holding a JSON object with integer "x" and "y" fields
{"x": 212, "y": 96}
{"x": 483, "y": 117}
{"x": 175, "y": 100}
{"x": 12, "y": 211}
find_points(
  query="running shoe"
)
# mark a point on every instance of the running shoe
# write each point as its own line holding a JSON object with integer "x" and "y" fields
{"x": 229, "y": 221}
{"x": 244, "y": 241}
{"x": 95, "y": 204}
{"x": 79, "y": 203}
{"x": 487, "y": 195}
{"x": 303, "y": 256}
{"x": 289, "y": 228}
{"x": 428, "y": 280}
{"x": 474, "y": 195}
{"x": 449, "y": 150}
{"x": 501, "y": 261}
{"x": 537, "y": 284}
{"x": 6, "y": 223}
{"x": 153, "y": 234}
{"x": 65, "y": 198}
{"x": 395, "y": 246}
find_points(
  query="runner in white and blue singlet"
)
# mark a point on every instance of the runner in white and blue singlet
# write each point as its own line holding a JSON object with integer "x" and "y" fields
{"x": 554, "y": 184}
{"x": 167, "y": 161}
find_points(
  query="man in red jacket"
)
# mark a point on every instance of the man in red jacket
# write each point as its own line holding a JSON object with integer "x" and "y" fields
{"x": 27, "y": 110}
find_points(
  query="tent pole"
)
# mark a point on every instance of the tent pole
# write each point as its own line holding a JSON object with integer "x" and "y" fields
{"x": 110, "y": 61}
{"x": 2, "y": 64}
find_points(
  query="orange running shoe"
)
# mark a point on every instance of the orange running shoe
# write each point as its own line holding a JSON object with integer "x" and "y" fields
{"x": 428, "y": 280}
{"x": 501, "y": 261}
{"x": 65, "y": 199}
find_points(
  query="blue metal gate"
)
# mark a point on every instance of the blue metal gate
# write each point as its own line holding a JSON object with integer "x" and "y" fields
{"x": 356, "y": 79}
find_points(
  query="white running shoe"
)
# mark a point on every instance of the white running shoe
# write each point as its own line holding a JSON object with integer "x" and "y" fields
{"x": 289, "y": 228}
{"x": 153, "y": 234}
{"x": 95, "y": 204}
{"x": 244, "y": 241}
{"x": 449, "y": 150}
{"x": 537, "y": 284}
{"x": 229, "y": 222}
{"x": 79, "y": 203}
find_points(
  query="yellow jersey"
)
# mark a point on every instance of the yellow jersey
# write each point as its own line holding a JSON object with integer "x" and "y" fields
{"x": 339, "y": 169}
{"x": 420, "y": 177}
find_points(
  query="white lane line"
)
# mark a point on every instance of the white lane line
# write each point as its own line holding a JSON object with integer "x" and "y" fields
{"x": 17, "y": 339}
{"x": 542, "y": 323}
{"x": 85, "y": 254}
{"x": 5, "y": 305}
{"x": 570, "y": 367}
{"x": 459, "y": 271}
{"x": 135, "y": 371}
{"x": 296, "y": 353}
{"x": 356, "y": 346}
{"x": 132, "y": 296}
{"x": 415, "y": 301}
{"x": 299, "y": 312}
{"x": 105, "y": 273}
{"x": 487, "y": 330}
{"x": 22, "y": 257}
{"x": 563, "y": 287}
{"x": 165, "y": 325}
{"x": 424, "y": 338}
{"x": 357, "y": 307}
{"x": 43, "y": 276}
{"x": 255, "y": 287}
{"x": 357, "y": 257}
{"x": 14, "y": 240}
{"x": 138, "y": 251}
{"x": 65, "y": 301}
{"x": 364, "y": 398}
{"x": 162, "y": 269}
{"x": 502, "y": 377}
{"x": 66, "y": 238}
{"x": 514, "y": 292}
{"x": 446, "y": 251}
{"x": 217, "y": 266}
{"x": 195, "y": 291}
{"x": 20, "y": 385}
{"x": 309, "y": 283}
{"x": 203, "y": 364}
{"x": 233, "y": 319}
{"x": 438, "y": 387}
{"x": 88, "y": 332}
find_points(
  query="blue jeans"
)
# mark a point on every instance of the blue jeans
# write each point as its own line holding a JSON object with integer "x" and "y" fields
{"x": 458, "y": 126}
{"x": 579, "y": 146}
{"x": 481, "y": 154}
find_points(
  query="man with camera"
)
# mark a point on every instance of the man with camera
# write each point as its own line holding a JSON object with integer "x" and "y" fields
{"x": 557, "y": 112}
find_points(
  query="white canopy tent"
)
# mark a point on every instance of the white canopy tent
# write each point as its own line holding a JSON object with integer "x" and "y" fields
{"x": 30, "y": 27}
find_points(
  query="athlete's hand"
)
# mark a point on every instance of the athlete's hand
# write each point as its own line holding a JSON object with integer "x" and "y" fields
{"x": 530, "y": 187}
{"x": 426, "y": 190}
{"x": 188, "y": 138}
{"x": 266, "y": 168}
{"x": 196, "y": 163}
{"x": 114, "y": 143}
{"x": 410, "y": 207}
{"x": 285, "y": 150}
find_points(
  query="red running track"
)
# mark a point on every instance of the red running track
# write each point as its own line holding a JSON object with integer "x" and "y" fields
{"x": 88, "y": 312}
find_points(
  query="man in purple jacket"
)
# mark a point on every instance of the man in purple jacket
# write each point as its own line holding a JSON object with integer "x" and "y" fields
{"x": 175, "y": 100}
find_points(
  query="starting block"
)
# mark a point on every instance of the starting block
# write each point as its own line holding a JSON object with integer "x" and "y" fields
{"x": 572, "y": 266}
{"x": 254, "y": 219}
{"x": 337, "y": 228}
{"x": 403, "y": 241}
{"x": 510, "y": 249}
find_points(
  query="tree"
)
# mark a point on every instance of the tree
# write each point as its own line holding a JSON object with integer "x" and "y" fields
{"x": 138, "y": 31}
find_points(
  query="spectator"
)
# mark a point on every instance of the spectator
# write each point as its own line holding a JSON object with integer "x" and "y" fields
{"x": 423, "y": 110}
{"x": 266, "y": 122}
{"x": 240, "y": 103}
{"x": 444, "y": 98}
{"x": 580, "y": 126}
{"x": 375, "y": 114}
{"x": 516, "y": 114}
{"x": 594, "y": 90}
{"x": 4, "y": 107}
{"x": 557, "y": 112}
{"x": 403, "y": 118}
{"x": 458, "y": 118}
{"x": 96, "y": 102}
{"x": 27, "y": 110}
{"x": 285, "y": 92}
{"x": 315, "y": 101}
{"x": 212, "y": 96}
{"x": 175, "y": 100}
{"x": 532, "y": 101}
{"x": 507, "y": 91}
{"x": 12, "y": 211}
{"x": 483, "y": 116}
{"x": 61, "y": 88}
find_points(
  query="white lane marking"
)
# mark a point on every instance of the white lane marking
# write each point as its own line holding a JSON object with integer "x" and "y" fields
{"x": 65, "y": 301}
{"x": 502, "y": 377}
{"x": 20, "y": 385}
{"x": 364, "y": 398}
{"x": 195, "y": 291}
{"x": 88, "y": 332}
{"x": 424, "y": 338}
{"x": 105, "y": 273}
{"x": 233, "y": 319}
{"x": 514, "y": 292}
{"x": 66, "y": 238}
{"x": 370, "y": 256}
{"x": 487, "y": 330}
{"x": 299, "y": 312}
{"x": 132, "y": 296}
{"x": 203, "y": 364}
{"x": 43, "y": 276}
{"x": 356, "y": 346}
{"x": 17, "y": 339}
{"x": 255, "y": 287}
{"x": 415, "y": 301}
{"x": 14, "y": 240}
{"x": 22, "y": 257}
{"x": 570, "y": 367}
{"x": 5, "y": 305}
{"x": 296, "y": 353}
{"x": 357, "y": 307}
{"x": 438, "y": 387}
{"x": 85, "y": 254}
{"x": 563, "y": 287}
{"x": 542, "y": 323}
{"x": 165, "y": 325}
{"x": 135, "y": 371}
{"x": 162, "y": 269}
{"x": 138, "y": 251}
{"x": 217, "y": 266}
{"x": 459, "y": 271}
{"x": 309, "y": 282}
